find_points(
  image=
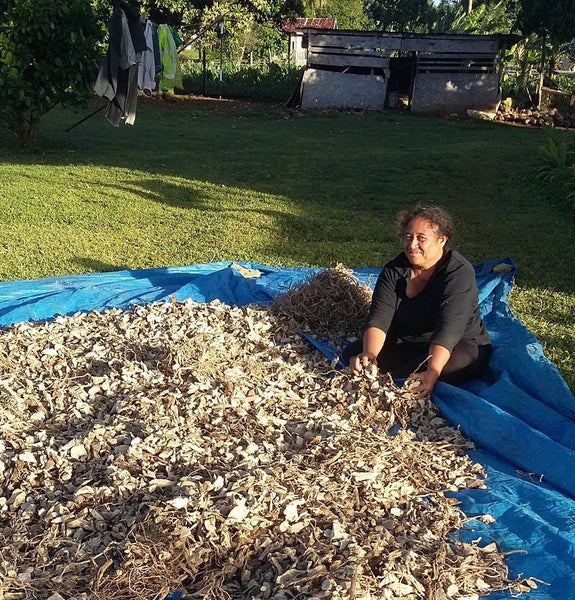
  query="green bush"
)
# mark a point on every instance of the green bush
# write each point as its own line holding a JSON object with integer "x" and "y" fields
{"x": 48, "y": 56}
{"x": 564, "y": 83}
{"x": 557, "y": 156}
{"x": 526, "y": 95}
{"x": 557, "y": 164}
{"x": 523, "y": 95}
{"x": 188, "y": 58}
{"x": 273, "y": 81}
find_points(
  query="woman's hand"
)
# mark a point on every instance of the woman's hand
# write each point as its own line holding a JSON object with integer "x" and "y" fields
{"x": 437, "y": 360}
{"x": 358, "y": 363}
{"x": 373, "y": 340}
{"x": 426, "y": 381}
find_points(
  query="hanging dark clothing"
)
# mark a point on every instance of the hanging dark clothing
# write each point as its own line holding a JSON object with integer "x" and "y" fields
{"x": 117, "y": 79}
{"x": 135, "y": 25}
{"x": 157, "y": 54}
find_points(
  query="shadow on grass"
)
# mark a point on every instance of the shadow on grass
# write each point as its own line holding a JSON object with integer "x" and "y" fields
{"x": 273, "y": 224}
{"x": 561, "y": 346}
{"x": 92, "y": 265}
{"x": 329, "y": 168}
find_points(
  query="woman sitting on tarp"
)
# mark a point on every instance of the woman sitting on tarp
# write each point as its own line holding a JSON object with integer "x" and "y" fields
{"x": 424, "y": 313}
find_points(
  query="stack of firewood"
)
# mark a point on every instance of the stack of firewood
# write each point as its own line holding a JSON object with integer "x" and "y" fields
{"x": 536, "y": 118}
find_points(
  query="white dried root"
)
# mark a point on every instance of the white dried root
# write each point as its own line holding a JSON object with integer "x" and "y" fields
{"x": 184, "y": 446}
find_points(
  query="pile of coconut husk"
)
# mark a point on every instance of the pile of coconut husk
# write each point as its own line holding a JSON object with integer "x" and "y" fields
{"x": 329, "y": 303}
{"x": 196, "y": 448}
{"x": 536, "y": 118}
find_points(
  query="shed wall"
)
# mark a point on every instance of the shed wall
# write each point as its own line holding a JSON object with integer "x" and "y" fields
{"x": 297, "y": 51}
{"x": 455, "y": 92}
{"x": 323, "y": 89}
{"x": 448, "y": 44}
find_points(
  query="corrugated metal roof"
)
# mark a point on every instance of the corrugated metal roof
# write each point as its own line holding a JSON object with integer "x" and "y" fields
{"x": 290, "y": 25}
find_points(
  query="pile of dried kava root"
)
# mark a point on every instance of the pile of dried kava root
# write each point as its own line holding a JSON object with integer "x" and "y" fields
{"x": 329, "y": 303}
{"x": 200, "y": 448}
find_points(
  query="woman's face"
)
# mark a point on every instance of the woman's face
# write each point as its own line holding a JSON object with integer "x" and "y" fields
{"x": 422, "y": 244}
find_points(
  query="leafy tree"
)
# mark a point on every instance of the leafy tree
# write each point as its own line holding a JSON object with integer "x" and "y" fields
{"x": 187, "y": 12}
{"x": 350, "y": 14}
{"x": 249, "y": 25}
{"x": 487, "y": 17}
{"x": 399, "y": 15}
{"x": 554, "y": 23}
{"x": 48, "y": 56}
{"x": 554, "y": 20}
{"x": 245, "y": 32}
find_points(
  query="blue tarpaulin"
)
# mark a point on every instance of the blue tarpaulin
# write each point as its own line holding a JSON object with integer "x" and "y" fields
{"x": 521, "y": 414}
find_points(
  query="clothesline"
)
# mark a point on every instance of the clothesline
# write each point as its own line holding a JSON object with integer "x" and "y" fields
{"x": 140, "y": 56}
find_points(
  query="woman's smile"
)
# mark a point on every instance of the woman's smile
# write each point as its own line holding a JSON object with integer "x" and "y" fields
{"x": 422, "y": 244}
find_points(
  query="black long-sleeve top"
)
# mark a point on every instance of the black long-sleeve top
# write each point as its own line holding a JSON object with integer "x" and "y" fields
{"x": 445, "y": 311}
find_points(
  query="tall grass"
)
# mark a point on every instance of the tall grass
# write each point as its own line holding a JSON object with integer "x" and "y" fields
{"x": 272, "y": 81}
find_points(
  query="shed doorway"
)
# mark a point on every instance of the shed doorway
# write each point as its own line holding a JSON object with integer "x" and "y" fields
{"x": 402, "y": 66}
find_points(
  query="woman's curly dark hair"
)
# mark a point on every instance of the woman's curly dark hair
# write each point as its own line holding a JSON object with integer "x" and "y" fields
{"x": 434, "y": 214}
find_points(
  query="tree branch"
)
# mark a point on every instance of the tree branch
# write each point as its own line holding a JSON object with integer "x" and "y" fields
{"x": 198, "y": 34}
{"x": 49, "y": 109}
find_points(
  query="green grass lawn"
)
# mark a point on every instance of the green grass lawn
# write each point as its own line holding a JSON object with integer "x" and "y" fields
{"x": 207, "y": 181}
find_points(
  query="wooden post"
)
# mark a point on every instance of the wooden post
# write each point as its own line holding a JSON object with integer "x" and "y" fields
{"x": 413, "y": 69}
{"x": 204, "y": 69}
{"x": 221, "y": 64}
{"x": 541, "y": 72}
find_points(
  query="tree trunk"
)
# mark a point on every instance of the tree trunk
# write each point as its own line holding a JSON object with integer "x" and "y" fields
{"x": 24, "y": 129}
{"x": 469, "y": 6}
{"x": 241, "y": 58}
{"x": 525, "y": 69}
{"x": 541, "y": 72}
{"x": 204, "y": 71}
{"x": 550, "y": 69}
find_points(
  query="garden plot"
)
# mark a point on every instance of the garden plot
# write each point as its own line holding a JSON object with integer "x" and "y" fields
{"x": 203, "y": 448}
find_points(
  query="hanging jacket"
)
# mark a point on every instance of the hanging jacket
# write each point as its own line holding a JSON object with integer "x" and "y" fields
{"x": 157, "y": 55}
{"x": 147, "y": 66}
{"x": 171, "y": 75}
{"x": 117, "y": 79}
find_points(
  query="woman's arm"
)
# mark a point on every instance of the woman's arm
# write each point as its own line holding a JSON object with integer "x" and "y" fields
{"x": 383, "y": 307}
{"x": 373, "y": 340}
{"x": 458, "y": 302}
{"x": 438, "y": 359}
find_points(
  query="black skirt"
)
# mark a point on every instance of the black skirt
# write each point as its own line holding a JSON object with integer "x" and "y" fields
{"x": 468, "y": 360}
